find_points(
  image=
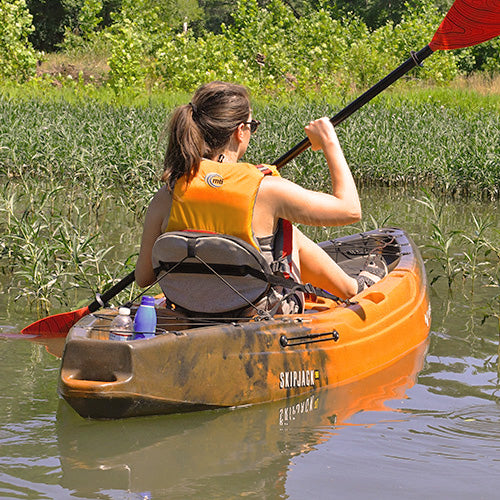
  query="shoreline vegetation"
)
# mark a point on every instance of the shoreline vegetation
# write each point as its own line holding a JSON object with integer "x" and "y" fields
{"x": 444, "y": 138}
{"x": 482, "y": 89}
{"x": 68, "y": 163}
{"x": 274, "y": 47}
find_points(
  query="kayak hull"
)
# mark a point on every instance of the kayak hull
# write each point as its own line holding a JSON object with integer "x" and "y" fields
{"x": 200, "y": 366}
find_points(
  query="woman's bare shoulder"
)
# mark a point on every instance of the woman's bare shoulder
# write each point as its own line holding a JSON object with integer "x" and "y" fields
{"x": 159, "y": 208}
{"x": 161, "y": 199}
{"x": 279, "y": 188}
{"x": 273, "y": 184}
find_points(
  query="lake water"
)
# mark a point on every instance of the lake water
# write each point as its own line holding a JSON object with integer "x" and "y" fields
{"x": 427, "y": 427}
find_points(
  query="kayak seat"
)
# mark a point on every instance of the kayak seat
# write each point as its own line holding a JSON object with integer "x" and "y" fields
{"x": 213, "y": 274}
{"x": 208, "y": 272}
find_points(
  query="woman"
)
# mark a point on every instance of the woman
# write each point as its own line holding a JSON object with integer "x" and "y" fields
{"x": 207, "y": 138}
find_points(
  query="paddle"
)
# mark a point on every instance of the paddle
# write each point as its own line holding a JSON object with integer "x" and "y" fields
{"x": 58, "y": 325}
{"x": 468, "y": 22}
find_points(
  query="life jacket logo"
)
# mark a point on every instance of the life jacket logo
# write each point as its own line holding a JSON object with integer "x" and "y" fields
{"x": 300, "y": 378}
{"x": 214, "y": 180}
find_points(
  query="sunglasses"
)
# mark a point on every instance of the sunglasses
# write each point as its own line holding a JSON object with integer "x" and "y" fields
{"x": 254, "y": 124}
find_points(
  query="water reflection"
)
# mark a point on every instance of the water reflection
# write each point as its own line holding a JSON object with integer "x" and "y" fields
{"x": 463, "y": 357}
{"x": 233, "y": 452}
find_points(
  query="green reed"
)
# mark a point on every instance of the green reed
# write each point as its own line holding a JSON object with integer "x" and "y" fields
{"x": 466, "y": 259}
{"x": 105, "y": 147}
{"x": 442, "y": 240}
{"x": 445, "y": 148}
{"x": 51, "y": 251}
{"x": 78, "y": 174}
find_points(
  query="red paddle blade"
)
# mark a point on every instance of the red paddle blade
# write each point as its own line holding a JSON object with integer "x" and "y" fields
{"x": 57, "y": 325}
{"x": 468, "y": 22}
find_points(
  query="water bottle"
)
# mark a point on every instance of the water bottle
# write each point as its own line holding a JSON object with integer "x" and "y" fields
{"x": 122, "y": 327}
{"x": 145, "y": 319}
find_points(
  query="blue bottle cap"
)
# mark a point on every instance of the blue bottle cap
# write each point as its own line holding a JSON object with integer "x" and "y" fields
{"x": 147, "y": 300}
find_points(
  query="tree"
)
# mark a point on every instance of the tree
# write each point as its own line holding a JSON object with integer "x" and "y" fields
{"x": 50, "y": 18}
{"x": 173, "y": 13}
{"x": 215, "y": 13}
{"x": 17, "y": 57}
{"x": 374, "y": 13}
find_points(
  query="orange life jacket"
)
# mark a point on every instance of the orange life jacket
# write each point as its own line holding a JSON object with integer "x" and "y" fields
{"x": 220, "y": 199}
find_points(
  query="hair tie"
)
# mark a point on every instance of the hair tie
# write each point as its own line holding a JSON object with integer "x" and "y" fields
{"x": 194, "y": 109}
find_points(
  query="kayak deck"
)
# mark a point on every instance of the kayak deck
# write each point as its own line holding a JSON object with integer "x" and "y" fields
{"x": 201, "y": 363}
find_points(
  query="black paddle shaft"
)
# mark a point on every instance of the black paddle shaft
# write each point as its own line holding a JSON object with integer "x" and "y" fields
{"x": 415, "y": 60}
{"x": 114, "y": 290}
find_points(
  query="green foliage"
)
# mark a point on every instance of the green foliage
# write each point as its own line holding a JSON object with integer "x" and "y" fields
{"x": 202, "y": 59}
{"x": 178, "y": 12}
{"x": 272, "y": 46}
{"x": 415, "y": 30}
{"x": 471, "y": 255}
{"x": 271, "y": 49}
{"x": 441, "y": 241}
{"x": 141, "y": 31}
{"x": 52, "y": 19}
{"x": 487, "y": 56}
{"x": 89, "y": 18}
{"x": 85, "y": 29}
{"x": 17, "y": 57}
{"x": 51, "y": 253}
{"x": 215, "y": 14}
{"x": 127, "y": 57}
{"x": 376, "y": 13}
{"x": 262, "y": 39}
{"x": 62, "y": 23}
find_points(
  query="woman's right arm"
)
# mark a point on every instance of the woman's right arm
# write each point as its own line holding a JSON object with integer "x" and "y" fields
{"x": 290, "y": 201}
{"x": 322, "y": 135}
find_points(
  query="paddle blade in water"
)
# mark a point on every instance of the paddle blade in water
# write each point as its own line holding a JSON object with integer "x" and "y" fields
{"x": 57, "y": 325}
{"x": 468, "y": 22}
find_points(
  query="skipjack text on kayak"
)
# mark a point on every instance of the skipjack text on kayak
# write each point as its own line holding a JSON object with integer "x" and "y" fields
{"x": 299, "y": 378}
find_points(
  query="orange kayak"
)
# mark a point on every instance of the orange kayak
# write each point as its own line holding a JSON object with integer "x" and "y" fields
{"x": 204, "y": 363}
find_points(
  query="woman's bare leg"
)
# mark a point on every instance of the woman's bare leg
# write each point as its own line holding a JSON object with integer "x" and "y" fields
{"x": 319, "y": 269}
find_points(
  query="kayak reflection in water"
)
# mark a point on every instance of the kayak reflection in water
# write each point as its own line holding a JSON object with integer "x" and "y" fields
{"x": 233, "y": 451}
{"x": 207, "y": 189}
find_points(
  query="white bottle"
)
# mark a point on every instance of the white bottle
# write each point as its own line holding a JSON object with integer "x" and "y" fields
{"x": 122, "y": 326}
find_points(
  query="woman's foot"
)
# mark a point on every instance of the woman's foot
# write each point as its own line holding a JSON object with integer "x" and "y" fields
{"x": 373, "y": 271}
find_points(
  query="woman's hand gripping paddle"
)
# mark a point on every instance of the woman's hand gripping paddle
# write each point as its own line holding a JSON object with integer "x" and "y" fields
{"x": 468, "y": 22}
{"x": 58, "y": 325}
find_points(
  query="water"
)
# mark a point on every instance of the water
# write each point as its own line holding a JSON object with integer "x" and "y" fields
{"x": 427, "y": 427}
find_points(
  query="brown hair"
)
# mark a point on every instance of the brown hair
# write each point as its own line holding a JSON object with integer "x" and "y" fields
{"x": 203, "y": 128}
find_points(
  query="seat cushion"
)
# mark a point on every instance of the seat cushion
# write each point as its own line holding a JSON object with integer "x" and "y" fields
{"x": 182, "y": 258}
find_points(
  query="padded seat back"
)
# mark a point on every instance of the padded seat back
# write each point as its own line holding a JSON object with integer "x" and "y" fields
{"x": 183, "y": 257}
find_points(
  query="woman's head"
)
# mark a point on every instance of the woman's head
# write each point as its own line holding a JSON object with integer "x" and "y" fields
{"x": 203, "y": 128}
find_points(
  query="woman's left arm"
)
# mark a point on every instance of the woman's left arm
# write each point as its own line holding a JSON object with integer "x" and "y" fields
{"x": 158, "y": 209}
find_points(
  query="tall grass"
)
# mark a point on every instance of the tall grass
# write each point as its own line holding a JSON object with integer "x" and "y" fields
{"x": 77, "y": 174}
{"x": 465, "y": 250}
{"x": 450, "y": 149}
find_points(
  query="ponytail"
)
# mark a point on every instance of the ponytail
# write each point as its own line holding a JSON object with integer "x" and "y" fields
{"x": 185, "y": 147}
{"x": 203, "y": 128}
